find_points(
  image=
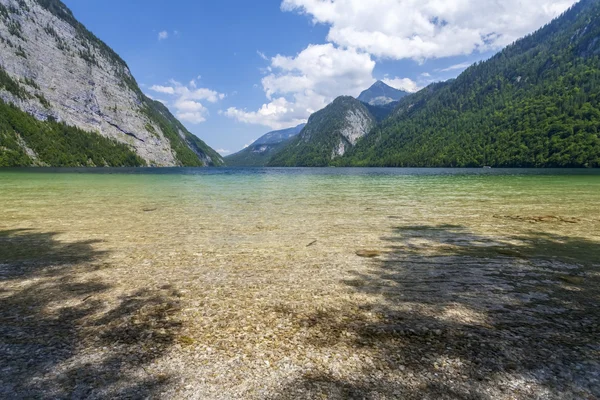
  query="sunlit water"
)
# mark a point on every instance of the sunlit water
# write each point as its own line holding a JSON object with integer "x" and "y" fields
{"x": 243, "y": 247}
{"x": 151, "y": 213}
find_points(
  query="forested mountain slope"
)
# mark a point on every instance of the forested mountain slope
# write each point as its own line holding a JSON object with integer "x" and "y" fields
{"x": 53, "y": 69}
{"x": 263, "y": 149}
{"x": 329, "y": 134}
{"x": 534, "y": 104}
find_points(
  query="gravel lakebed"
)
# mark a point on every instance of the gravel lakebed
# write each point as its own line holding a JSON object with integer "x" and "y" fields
{"x": 368, "y": 302}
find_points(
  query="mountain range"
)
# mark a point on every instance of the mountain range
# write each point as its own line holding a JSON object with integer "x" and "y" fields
{"x": 534, "y": 104}
{"x": 67, "y": 99}
{"x": 263, "y": 149}
{"x": 328, "y": 135}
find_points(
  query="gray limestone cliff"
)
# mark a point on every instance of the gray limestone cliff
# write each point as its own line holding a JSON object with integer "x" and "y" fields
{"x": 59, "y": 71}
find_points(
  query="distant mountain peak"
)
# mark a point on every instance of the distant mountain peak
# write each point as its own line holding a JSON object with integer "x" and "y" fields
{"x": 380, "y": 94}
{"x": 516, "y": 109}
{"x": 260, "y": 151}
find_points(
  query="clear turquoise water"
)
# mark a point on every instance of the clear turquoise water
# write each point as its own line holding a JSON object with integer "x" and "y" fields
{"x": 253, "y": 254}
{"x": 226, "y": 197}
{"x": 148, "y": 212}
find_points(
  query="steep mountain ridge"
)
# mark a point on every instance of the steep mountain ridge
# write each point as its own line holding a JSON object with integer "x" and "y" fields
{"x": 259, "y": 153}
{"x": 534, "y": 104}
{"x": 329, "y": 134}
{"x": 53, "y": 68}
{"x": 380, "y": 94}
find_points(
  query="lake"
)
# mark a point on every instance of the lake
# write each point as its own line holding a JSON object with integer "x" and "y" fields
{"x": 287, "y": 283}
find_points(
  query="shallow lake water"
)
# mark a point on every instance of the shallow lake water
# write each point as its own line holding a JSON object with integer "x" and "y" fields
{"x": 254, "y": 209}
{"x": 246, "y": 257}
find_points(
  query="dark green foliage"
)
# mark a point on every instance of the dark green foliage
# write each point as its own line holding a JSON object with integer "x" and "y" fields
{"x": 20, "y": 52}
{"x": 314, "y": 146}
{"x": 4, "y": 14}
{"x": 535, "y": 104}
{"x": 23, "y": 5}
{"x": 189, "y": 150}
{"x": 14, "y": 28}
{"x": 57, "y": 144}
{"x": 43, "y": 100}
{"x": 7, "y": 41}
{"x": 88, "y": 57}
{"x": 14, "y": 10}
{"x": 149, "y": 127}
{"x": 50, "y": 31}
{"x": 30, "y": 82}
{"x": 10, "y": 85}
{"x": 381, "y": 112}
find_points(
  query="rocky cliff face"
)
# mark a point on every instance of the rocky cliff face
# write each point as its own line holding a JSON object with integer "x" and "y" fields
{"x": 64, "y": 73}
{"x": 329, "y": 134}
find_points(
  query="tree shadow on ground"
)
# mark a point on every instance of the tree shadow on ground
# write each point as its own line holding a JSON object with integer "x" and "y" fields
{"x": 61, "y": 333}
{"x": 456, "y": 315}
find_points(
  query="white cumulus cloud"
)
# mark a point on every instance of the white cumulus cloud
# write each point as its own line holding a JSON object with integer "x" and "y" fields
{"x": 298, "y": 86}
{"x": 421, "y": 29}
{"x": 361, "y": 31}
{"x": 187, "y": 100}
{"x": 162, "y": 89}
{"x": 406, "y": 84}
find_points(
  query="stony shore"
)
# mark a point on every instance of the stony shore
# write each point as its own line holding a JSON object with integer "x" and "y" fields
{"x": 434, "y": 312}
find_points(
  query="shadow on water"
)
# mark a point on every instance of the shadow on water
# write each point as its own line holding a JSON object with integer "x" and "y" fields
{"x": 457, "y": 315}
{"x": 62, "y": 334}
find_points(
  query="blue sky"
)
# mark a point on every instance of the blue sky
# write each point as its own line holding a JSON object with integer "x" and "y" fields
{"x": 232, "y": 70}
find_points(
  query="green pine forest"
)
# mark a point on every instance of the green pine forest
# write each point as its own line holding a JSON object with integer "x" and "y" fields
{"x": 313, "y": 146}
{"x": 56, "y": 144}
{"x": 535, "y": 104}
{"x": 59, "y": 145}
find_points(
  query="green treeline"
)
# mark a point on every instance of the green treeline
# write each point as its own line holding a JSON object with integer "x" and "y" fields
{"x": 56, "y": 144}
{"x": 313, "y": 147}
{"x": 189, "y": 150}
{"x": 535, "y": 104}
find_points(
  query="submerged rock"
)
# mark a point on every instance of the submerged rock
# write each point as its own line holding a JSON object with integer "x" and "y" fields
{"x": 368, "y": 253}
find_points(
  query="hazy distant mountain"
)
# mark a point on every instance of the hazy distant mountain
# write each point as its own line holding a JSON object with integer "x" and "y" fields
{"x": 381, "y": 112}
{"x": 329, "y": 134}
{"x": 260, "y": 152}
{"x": 534, "y": 104}
{"x": 67, "y": 99}
{"x": 381, "y": 94}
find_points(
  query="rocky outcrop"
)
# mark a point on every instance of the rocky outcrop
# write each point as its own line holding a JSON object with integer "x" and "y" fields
{"x": 66, "y": 74}
{"x": 329, "y": 134}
